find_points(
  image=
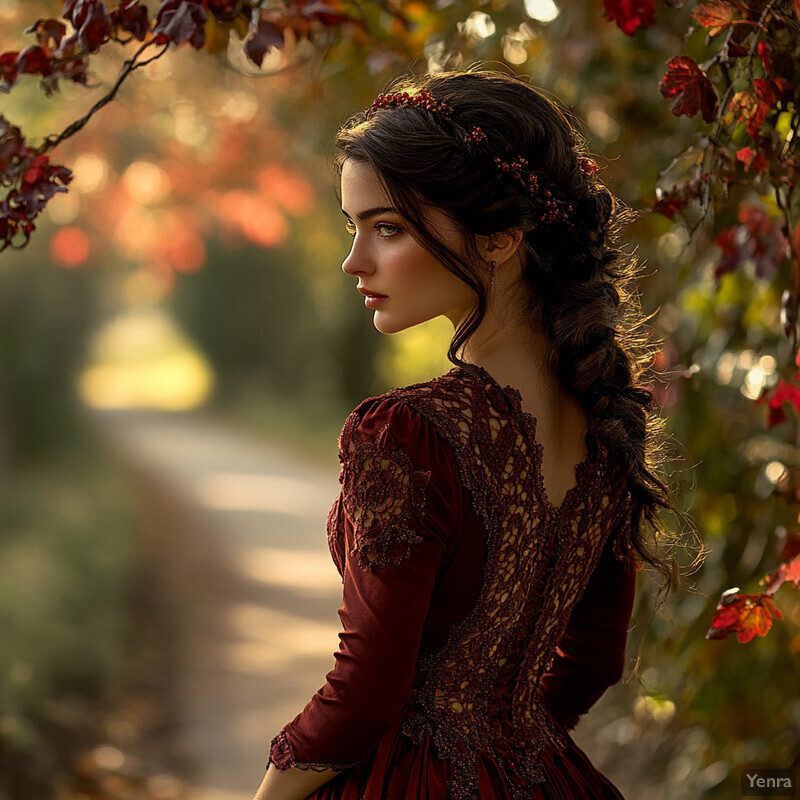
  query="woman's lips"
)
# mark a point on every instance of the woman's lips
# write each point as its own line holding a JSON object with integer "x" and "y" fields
{"x": 371, "y": 300}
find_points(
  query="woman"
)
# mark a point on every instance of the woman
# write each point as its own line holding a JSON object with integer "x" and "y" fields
{"x": 490, "y": 520}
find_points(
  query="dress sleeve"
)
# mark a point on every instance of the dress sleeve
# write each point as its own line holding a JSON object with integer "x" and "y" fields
{"x": 388, "y": 532}
{"x": 591, "y": 654}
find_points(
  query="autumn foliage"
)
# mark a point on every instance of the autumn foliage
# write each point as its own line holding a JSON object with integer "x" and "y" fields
{"x": 62, "y": 51}
{"x": 747, "y": 92}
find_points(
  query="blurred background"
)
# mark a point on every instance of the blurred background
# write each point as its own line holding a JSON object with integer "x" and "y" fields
{"x": 179, "y": 349}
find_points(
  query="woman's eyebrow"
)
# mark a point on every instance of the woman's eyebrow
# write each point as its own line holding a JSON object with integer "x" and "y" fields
{"x": 373, "y": 212}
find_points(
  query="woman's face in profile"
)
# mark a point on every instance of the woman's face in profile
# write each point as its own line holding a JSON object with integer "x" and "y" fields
{"x": 402, "y": 282}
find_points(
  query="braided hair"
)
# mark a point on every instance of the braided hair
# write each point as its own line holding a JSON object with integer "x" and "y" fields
{"x": 470, "y": 150}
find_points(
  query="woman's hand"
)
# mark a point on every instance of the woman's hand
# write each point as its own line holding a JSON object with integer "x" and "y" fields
{"x": 292, "y": 783}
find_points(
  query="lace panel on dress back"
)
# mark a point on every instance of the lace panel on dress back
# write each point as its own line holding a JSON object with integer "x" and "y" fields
{"x": 480, "y": 689}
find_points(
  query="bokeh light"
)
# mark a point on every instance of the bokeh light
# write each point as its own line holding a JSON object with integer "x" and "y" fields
{"x": 69, "y": 247}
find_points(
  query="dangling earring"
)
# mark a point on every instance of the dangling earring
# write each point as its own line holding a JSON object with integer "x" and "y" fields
{"x": 491, "y": 266}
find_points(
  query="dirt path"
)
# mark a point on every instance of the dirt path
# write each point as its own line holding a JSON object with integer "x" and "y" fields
{"x": 233, "y": 530}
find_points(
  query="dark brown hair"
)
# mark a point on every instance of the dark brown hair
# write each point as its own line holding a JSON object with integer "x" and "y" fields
{"x": 581, "y": 288}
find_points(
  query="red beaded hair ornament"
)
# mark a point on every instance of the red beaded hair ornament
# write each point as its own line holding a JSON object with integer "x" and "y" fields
{"x": 422, "y": 99}
{"x": 475, "y": 136}
{"x": 552, "y": 208}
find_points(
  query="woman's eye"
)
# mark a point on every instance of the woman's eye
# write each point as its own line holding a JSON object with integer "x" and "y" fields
{"x": 386, "y": 230}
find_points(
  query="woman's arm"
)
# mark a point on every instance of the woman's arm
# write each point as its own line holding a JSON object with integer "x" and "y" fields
{"x": 292, "y": 783}
{"x": 389, "y": 530}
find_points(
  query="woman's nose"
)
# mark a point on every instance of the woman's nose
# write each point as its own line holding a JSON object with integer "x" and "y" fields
{"x": 356, "y": 261}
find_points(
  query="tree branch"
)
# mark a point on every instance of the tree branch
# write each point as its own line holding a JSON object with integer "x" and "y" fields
{"x": 128, "y": 67}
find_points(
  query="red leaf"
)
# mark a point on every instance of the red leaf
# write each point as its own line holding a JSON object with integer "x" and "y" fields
{"x": 793, "y": 571}
{"x": 74, "y": 11}
{"x": 764, "y": 54}
{"x": 769, "y": 243}
{"x": 768, "y": 92}
{"x": 716, "y": 15}
{"x": 12, "y": 149}
{"x": 181, "y": 21}
{"x": 629, "y": 14}
{"x": 91, "y": 21}
{"x": 776, "y": 416}
{"x": 754, "y": 108}
{"x": 40, "y": 182}
{"x": 40, "y": 171}
{"x": 783, "y": 393}
{"x": 34, "y": 60}
{"x": 746, "y": 615}
{"x": 788, "y": 545}
{"x": 690, "y": 87}
{"x": 75, "y": 71}
{"x": 785, "y": 572}
{"x": 758, "y": 237}
{"x": 736, "y": 248}
{"x": 8, "y": 71}
{"x": 96, "y": 27}
{"x": 758, "y": 162}
{"x": 669, "y": 205}
{"x": 266, "y": 36}
{"x": 132, "y": 17}
{"x": 47, "y": 29}
{"x": 36, "y": 171}
{"x": 735, "y": 49}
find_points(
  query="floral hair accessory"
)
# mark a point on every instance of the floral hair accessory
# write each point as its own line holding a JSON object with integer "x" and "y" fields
{"x": 552, "y": 209}
{"x": 587, "y": 165}
{"x": 422, "y": 99}
{"x": 475, "y": 136}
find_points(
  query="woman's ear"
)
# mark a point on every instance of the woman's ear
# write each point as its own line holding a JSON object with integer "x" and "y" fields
{"x": 500, "y": 247}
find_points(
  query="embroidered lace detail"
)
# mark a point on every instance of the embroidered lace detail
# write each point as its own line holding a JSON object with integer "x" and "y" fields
{"x": 280, "y": 754}
{"x": 480, "y": 691}
{"x": 335, "y": 539}
{"x": 383, "y": 492}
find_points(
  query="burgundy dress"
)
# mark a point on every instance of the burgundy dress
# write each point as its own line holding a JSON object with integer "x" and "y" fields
{"x": 480, "y": 621}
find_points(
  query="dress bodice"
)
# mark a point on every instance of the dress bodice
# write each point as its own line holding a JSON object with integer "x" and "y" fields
{"x": 481, "y": 688}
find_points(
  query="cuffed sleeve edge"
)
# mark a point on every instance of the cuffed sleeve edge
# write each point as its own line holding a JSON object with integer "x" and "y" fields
{"x": 282, "y": 757}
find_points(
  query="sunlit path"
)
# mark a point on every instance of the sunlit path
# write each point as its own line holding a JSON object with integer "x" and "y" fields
{"x": 235, "y": 529}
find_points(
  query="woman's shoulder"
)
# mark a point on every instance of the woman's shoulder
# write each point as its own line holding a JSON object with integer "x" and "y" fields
{"x": 396, "y": 470}
{"x": 406, "y": 419}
